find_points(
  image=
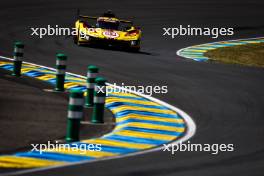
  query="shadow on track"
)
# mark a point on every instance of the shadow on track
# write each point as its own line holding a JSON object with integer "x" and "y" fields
{"x": 114, "y": 48}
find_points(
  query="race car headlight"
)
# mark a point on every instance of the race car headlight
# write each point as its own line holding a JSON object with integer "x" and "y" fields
{"x": 132, "y": 33}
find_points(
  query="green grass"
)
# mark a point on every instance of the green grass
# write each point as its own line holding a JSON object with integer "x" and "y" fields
{"x": 249, "y": 54}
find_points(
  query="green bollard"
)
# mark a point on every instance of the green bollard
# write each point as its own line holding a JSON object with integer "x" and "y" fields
{"x": 60, "y": 74}
{"x": 75, "y": 114}
{"x": 18, "y": 56}
{"x": 99, "y": 100}
{"x": 91, "y": 75}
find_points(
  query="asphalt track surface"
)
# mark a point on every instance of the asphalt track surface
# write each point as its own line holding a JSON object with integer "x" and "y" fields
{"x": 25, "y": 106}
{"x": 226, "y": 101}
{"x": 18, "y": 98}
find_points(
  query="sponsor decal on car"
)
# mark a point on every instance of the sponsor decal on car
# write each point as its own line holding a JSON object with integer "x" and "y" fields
{"x": 110, "y": 34}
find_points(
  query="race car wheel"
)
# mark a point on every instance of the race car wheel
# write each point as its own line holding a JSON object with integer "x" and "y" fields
{"x": 75, "y": 39}
{"x": 137, "y": 49}
{"x": 135, "y": 45}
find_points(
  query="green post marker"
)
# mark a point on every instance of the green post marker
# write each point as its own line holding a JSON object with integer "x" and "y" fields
{"x": 99, "y": 100}
{"x": 18, "y": 56}
{"x": 60, "y": 74}
{"x": 91, "y": 75}
{"x": 75, "y": 115}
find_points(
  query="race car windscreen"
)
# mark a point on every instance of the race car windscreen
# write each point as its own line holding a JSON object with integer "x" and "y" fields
{"x": 108, "y": 25}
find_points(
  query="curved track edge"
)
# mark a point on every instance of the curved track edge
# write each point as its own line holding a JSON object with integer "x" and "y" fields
{"x": 196, "y": 52}
{"x": 115, "y": 103}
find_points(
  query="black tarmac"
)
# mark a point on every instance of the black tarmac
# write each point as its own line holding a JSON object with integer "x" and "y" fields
{"x": 225, "y": 101}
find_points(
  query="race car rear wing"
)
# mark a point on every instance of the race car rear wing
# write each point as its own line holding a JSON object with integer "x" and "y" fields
{"x": 126, "y": 21}
{"x": 89, "y": 17}
{"x": 93, "y": 17}
{"x": 78, "y": 15}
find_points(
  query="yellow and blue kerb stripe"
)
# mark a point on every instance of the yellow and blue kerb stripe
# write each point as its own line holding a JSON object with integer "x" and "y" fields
{"x": 196, "y": 52}
{"x": 140, "y": 124}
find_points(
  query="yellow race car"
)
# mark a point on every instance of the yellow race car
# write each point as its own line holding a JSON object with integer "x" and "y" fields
{"x": 107, "y": 30}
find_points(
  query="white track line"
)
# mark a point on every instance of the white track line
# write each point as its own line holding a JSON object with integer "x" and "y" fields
{"x": 191, "y": 128}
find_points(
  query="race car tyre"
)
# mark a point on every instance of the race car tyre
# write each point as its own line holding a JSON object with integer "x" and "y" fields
{"x": 75, "y": 39}
{"x": 135, "y": 45}
{"x": 137, "y": 49}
